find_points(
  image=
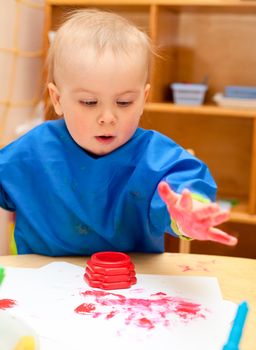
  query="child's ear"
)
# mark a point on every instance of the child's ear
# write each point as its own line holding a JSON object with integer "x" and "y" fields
{"x": 55, "y": 98}
{"x": 146, "y": 91}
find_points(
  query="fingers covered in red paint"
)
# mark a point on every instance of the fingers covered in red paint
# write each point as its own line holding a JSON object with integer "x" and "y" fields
{"x": 195, "y": 219}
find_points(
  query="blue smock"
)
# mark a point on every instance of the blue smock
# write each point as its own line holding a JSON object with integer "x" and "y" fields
{"x": 68, "y": 202}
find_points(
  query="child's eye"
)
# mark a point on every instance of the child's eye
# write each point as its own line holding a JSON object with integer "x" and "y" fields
{"x": 124, "y": 103}
{"x": 89, "y": 103}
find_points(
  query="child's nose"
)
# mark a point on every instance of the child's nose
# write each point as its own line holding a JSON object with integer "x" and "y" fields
{"x": 107, "y": 117}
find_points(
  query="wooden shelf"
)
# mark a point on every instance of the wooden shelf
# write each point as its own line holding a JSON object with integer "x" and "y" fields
{"x": 208, "y": 110}
{"x": 244, "y": 218}
{"x": 99, "y": 3}
{"x": 198, "y": 3}
{"x": 239, "y": 214}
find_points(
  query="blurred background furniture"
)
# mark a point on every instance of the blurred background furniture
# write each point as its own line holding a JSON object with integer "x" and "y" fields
{"x": 194, "y": 39}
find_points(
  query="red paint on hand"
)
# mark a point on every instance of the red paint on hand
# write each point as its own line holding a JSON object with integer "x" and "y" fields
{"x": 195, "y": 219}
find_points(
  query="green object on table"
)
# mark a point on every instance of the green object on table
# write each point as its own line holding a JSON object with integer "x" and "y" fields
{"x": 1, "y": 275}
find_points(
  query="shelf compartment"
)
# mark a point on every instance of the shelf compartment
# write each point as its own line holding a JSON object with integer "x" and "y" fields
{"x": 201, "y": 41}
{"x": 138, "y": 14}
{"x": 239, "y": 214}
{"x": 209, "y": 110}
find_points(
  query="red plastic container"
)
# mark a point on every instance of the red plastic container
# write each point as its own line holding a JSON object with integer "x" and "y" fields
{"x": 109, "y": 278}
{"x": 110, "y": 270}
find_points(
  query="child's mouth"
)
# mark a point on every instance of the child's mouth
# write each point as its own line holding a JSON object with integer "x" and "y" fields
{"x": 105, "y": 139}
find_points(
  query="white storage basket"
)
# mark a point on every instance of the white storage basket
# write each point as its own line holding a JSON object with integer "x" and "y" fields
{"x": 188, "y": 94}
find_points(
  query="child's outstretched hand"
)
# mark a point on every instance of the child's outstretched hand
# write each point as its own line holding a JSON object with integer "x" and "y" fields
{"x": 193, "y": 218}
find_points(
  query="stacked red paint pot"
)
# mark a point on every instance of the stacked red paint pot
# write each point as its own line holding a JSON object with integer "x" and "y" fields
{"x": 110, "y": 270}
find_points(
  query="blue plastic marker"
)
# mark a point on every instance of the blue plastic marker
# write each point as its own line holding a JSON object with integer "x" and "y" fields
{"x": 237, "y": 328}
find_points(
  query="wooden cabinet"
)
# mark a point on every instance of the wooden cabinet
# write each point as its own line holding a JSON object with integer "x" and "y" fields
{"x": 196, "y": 39}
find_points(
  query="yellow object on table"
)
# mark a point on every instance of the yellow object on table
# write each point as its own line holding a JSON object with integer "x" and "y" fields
{"x": 26, "y": 343}
{"x": 16, "y": 333}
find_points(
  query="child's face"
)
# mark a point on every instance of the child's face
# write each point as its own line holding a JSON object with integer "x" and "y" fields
{"x": 101, "y": 99}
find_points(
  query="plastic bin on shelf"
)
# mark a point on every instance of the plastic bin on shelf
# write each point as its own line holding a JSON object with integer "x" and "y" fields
{"x": 188, "y": 94}
{"x": 245, "y": 92}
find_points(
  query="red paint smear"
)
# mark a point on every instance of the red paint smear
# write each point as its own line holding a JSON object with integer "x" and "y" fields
{"x": 85, "y": 308}
{"x": 186, "y": 268}
{"x": 111, "y": 314}
{"x": 185, "y": 309}
{"x": 198, "y": 267}
{"x": 7, "y": 303}
{"x": 145, "y": 323}
{"x": 158, "y": 309}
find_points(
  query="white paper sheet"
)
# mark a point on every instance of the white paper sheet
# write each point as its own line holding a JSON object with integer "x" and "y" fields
{"x": 174, "y": 312}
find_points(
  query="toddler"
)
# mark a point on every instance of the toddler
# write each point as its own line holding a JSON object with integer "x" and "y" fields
{"x": 92, "y": 180}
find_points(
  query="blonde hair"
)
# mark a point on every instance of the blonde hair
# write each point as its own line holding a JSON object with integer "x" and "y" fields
{"x": 100, "y": 30}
